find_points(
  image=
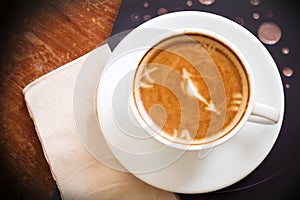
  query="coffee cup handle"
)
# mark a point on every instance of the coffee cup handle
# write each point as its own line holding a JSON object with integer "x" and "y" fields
{"x": 264, "y": 114}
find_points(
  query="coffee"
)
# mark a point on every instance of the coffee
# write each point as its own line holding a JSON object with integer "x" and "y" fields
{"x": 191, "y": 88}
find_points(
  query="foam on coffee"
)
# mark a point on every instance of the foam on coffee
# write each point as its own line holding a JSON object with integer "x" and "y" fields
{"x": 191, "y": 88}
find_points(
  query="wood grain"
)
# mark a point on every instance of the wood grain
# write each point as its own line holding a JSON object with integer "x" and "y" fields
{"x": 38, "y": 37}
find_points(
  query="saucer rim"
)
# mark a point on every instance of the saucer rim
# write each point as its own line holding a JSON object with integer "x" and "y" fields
{"x": 275, "y": 76}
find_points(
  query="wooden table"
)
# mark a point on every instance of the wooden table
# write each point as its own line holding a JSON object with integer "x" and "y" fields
{"x": 36, "y": 38}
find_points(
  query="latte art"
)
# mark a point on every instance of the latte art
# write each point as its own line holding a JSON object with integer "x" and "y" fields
{"x": 191, "y": 88}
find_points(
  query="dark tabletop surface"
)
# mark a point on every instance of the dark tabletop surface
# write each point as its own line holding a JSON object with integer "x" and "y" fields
{"x": 279, "y": 173}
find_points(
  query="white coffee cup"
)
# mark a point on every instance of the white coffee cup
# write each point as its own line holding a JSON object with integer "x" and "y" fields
{"x": 254, "y": 112}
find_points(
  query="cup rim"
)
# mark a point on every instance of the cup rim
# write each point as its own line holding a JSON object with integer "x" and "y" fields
{"x": 230, "y": 133}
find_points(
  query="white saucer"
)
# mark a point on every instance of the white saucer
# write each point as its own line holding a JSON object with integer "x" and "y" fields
{"x": 167, "y": 168}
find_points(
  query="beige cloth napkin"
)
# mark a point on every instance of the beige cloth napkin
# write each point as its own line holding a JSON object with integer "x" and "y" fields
{"x": 78, "y": 174}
